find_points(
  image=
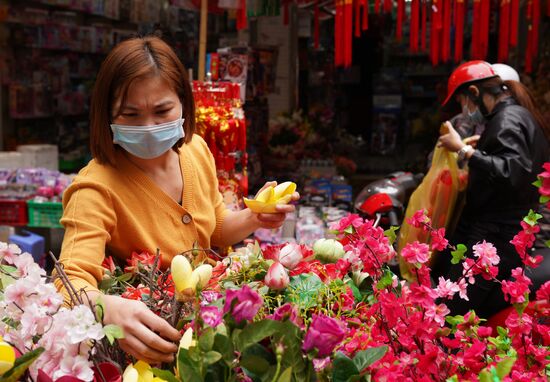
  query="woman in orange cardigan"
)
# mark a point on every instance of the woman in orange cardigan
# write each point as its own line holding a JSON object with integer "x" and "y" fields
{"x": 152, "y": 184}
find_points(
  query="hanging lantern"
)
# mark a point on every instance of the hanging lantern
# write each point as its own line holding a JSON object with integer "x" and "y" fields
{"x": 357, "y": 12}
{"x": 241, "y": 16}
{"x": 348, "y": 32}
{"x": 338, "y": 33}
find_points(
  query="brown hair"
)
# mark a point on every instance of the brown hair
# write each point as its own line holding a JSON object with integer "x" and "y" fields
{"x": 521, "y": 94}
{"x": 130, "y": 60}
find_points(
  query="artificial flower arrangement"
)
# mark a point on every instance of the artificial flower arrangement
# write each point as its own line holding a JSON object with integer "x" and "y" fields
{"x": 333, "y": 312}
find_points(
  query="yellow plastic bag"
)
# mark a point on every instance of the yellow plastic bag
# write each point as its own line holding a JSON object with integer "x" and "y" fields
{"x": 437, "y": 194}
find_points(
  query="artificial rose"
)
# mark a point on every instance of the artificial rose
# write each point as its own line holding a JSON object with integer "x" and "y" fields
{"x": 290, "y": 255}
{"x": 243, "y": 303}
{"x": 286, "y": 312}
{"x": 328, "y": 250}
{"x": 324, "y": 333}
{"x": 276, "y": 277}
{"x": 211, "y": 316}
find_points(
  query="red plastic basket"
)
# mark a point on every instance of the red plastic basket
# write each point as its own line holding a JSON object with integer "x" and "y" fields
{"x": 13, "y": 212}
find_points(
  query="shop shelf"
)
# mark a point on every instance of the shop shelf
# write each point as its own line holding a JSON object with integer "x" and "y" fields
{"x": 13, "y": 212}
{"x": 46, "y": 214}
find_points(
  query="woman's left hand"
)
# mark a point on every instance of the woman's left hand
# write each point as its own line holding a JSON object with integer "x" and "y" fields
{"x": 275, "y": 220}
{"x": 452, "y": 140}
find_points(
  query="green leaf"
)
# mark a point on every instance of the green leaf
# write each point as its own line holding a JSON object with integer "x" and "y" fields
{"x": 206, "y": 340}
{"x": 485, "y": 376}
{"x": 349, "y": 229}
{"x": 21, "y": 365}
{"x": 458, "y": 255}
{"x": 290, "y": 336}
{"x": 188, "y": 369}
{"x": 303, "y": 290}
{"x": 365, "y": 358}
{"x": 547, "y": 243}
{"x": 224, "y": 346}
{"x": 532, "y": 218}
{"x": 356, "y": 292}
{"x": 255, "y": 364}
{"x": 385, "y": 281}
{"x": 454, "y": 378}
{"x": 113, "y": 332}
{"x": 544, "y": 199}
{"x": 343, "y": 368}
{"x": 286, "y": 376}
{"x": 505, "y": 366}
{"x": 390, "y": 234}
{"x": 537, "y": 183}
{"x": 256, "y": 332}
{"x": 502, "y": 331}
{"x": 125, "y": 277}
{"x": 164, "y": 374}
{"x": 211, "y": 357}
{"x": 107, "y": 283}
{"x": 99, "y": 309}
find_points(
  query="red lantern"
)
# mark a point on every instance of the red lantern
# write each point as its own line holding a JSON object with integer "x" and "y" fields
{"x": 446, "y": 29}
{"x": 357, "y": 11}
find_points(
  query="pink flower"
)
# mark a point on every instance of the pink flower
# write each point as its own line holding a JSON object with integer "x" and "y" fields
{"x": 290, "y": 255}
{"x": 515, "y": 291}
{"x": 419, "y": 219}
{"x": 463, "y": 289}
{"x": 487, "y": 253}
{"x": 276, "y": 277}
{"x": 447, "y": 288}
{"x": 416, "y": 252}
{"x": 324, "y": 333}
{"x": 437, "y": 313}
{"x": 353, "y": 220}
{"x": 319, "y": 364}
{"x": 78, "y": 367}
{"x": 286, "y": 312}
{"x": 544, "y": 292}
{"x": 545, "y": 180}
{"x": 439, "y": 243}
{"x": 484, "y": 331}
{"x": 473, "y": 356}
{"x": 211, "y": 316}
{"x": 243, "y": 303}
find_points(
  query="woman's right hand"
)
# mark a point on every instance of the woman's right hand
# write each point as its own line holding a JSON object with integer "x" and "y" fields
{"x": 146, "y": 336}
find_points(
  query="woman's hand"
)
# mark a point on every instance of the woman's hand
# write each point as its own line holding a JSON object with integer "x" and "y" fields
{"x": 472, "y": 141}
{"x": 146, "y": 336}
{"x": 452, "y": 140}
{"x": 275, "y": 220}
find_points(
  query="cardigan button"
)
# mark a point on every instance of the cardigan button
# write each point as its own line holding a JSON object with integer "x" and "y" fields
{"x": 186, "y": 219}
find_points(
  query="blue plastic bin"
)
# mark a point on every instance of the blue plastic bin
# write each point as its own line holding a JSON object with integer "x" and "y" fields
{"x": 31, "y": 243}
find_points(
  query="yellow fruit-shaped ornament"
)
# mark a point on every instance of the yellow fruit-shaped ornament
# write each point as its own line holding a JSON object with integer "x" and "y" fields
{"x": 267, "y": 200}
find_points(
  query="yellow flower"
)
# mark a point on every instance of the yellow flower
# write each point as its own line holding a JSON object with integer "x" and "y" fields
{"x": 7, "y": 356}
{"x": 186, "y": 280}
{"x": 140, "y": 372}
{"x": 267, "y": 200}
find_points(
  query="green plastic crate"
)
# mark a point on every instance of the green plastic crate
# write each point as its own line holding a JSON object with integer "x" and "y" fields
{"x": 45, "y": 214}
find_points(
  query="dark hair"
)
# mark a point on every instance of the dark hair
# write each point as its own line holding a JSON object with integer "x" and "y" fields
{"x": 495, "y": 86}
{"x": 130, "y": 60}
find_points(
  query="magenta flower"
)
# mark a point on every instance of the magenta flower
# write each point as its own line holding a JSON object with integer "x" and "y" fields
{"x": 324, "y": 333}
{"x": 514, "y": 291}
{"x": 286, "y": 312}
{"x": 544, "y": 291}
{"x": 211, "y": 316}
{"x": 487, "y": 254}
{"x": 447, "y": 288}
{"x": 243, "y": 304}
{"x": 419, "y": 219}
{"x": 416, "y": 252}
{"x": 439, "y": 243}
{"x": 545, "y": 180}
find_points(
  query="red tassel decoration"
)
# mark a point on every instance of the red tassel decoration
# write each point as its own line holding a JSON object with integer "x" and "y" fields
{"x": 476, "y": 30}
{"x": 241, "y": 16}
{"x": 460, "y": 8}
{"x": 514, "y": 22}
{"x": 424, "y": 22}
{"x": 435, "y": 34}
{"x": 536, "y": 27}
{"x": 377, "y": 6}
{"x": 485, "y": 17}
{"x": 529, "y": 48}
{"x": 400, "y": 17}
{"x": 338, "y": 46}
{"x": 446, "y": 29}
{"x": 388, "y": 6}
{"x": 415, "y": 24}
{"x": 357, "y": 11}
{"x": 348, "y": 32}
{"x": 316, "y": 25}
{"x": 365, "y": 25}
{"x": 504, "y": 31}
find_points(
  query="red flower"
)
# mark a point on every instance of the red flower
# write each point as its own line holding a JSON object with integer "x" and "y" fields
{"x": 419, "y": 219}
{"x": 109, "y": 264}
{"x": 439, "y": 243}
{"x": 143, "y": 259}
{"x": 545, "y": 180}
{"x": 136, "y": 293}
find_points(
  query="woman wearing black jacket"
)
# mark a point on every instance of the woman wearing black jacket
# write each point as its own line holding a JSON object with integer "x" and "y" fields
{"x": 502, "y": 168}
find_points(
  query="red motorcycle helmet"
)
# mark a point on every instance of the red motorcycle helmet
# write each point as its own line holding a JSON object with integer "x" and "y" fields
{"x": 469, "y": 72}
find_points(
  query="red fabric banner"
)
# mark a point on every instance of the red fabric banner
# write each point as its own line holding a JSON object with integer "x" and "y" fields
{"x": 514, "y": 22}
{"x": 476, "y": 30}
{"x": 460, "y": 8}
{"x": 504, "y": 31}
{"x": 365, "y": 25}
{"x": 388, "y": 6}
{"x": 415, "y": 25}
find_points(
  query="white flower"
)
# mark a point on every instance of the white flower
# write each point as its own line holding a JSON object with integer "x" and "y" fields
{"x": 78, "y": 367}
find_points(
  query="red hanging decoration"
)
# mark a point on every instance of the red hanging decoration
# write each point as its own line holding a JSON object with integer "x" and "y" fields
{"x": 365, "y": 25}
{"x": 547, "y": 7}
{"x": 460, "y": 8}
{"x": 316, "y": 25}
{"x": 424, "y": 22}
{"x": 377, "y": 6}
{"x": 241, "y": 16}
{"x": 388, "y": 6}
{"x": 504, "y": 31}
{"x": 435, "y": 33}
{"x": 338, "y": 46}
{"x": 485, "y": 17}
{"x": 529, "y": 48}
{"x": 514, "y": 22}
{"x": 536, "y": 27}
{"x": 446, "y": 30}
{"x": 400, "y": 17}
{"x": 348, "y": 32}
{"x": 476, "y": 30}
{"x": 357, "y": 11}
{"x": 415, "y": 26}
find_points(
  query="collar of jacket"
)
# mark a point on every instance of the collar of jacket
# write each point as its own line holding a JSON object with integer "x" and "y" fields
{"x": 505, "y": 102}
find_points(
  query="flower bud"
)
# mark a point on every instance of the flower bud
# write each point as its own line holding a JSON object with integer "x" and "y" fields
{"x": 328, "y": 250}
{"x": 201, "y": 275}
{"x": 182, "y": 273}
{"x": 290, "y": 255}
{"x": 276, "y": 277}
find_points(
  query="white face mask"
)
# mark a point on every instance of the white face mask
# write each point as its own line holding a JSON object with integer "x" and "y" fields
{"x": 148, "y": 142}
{"x": 474, "y": 117}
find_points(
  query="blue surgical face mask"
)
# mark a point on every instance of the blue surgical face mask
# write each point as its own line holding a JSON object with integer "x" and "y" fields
{"x": 148, "y": 142}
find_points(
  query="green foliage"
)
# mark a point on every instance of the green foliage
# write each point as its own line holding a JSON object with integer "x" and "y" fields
{"x": 303, "y": 290}
{"x": 21, "y": 365}
{"x": 532, "y": 218}
{"x": 390, "y": 234}
{"x": 459, "y": 254}
{"x": 113, "y": 332}
{"x": 164, "y": 374}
